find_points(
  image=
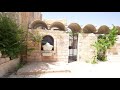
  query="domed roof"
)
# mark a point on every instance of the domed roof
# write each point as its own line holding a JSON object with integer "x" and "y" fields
{"x": 89, "y": 28}
{"x": 75, "y": 27}
{"x": 103, "y": 29}
{"x": 59, "y": 25}
{"x": 38, "y": 22}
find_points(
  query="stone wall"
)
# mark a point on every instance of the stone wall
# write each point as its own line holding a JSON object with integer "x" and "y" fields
{"x": 86, "y": 51}
{"x": 24, "y": 18}
{"x": 7, "y": 65}
{"x": 61, "y": 47}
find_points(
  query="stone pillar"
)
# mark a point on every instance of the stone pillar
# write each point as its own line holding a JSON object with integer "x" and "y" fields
{"x": 79, "y": 44}
{"x": 86, "y": 50}
{"x": 63, "y": 46}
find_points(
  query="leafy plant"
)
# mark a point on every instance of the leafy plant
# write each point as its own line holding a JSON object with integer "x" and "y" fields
{"x": 94, "y": 60}
{"x": 105, "y": 42}
{"x": 36, "y": 37}
{"x": 12, "y": 38}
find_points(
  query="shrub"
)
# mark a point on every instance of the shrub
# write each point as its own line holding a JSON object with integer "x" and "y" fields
{"x": 105, "y": 42}
{"x": 12, "y": 37}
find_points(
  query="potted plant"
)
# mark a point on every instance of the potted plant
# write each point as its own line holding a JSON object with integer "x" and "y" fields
{"x": 35, "y": 37}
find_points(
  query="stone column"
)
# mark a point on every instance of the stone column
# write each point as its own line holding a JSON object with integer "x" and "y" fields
{"x": 86, "y": 48}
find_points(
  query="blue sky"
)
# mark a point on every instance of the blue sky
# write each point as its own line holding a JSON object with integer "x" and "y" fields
{"x": 83, "y": 18}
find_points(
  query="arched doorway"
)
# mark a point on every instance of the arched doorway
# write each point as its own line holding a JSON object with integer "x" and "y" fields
{"x": 73, "y": 41}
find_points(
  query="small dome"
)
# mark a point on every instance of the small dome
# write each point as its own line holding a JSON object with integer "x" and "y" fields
{"x": 58, "y": 25}
{"x": 103, "y": 29}
{"x": 89, "y": 28}
{"x": 75, "y": 27}
{"x": 38, "y": 23}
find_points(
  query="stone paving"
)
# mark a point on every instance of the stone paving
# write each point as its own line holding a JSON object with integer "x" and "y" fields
{"x": 108, "y": 69}
{"x": 41, "y": 69}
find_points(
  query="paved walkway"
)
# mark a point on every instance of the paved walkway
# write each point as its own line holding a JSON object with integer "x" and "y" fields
{"x": 42, "y": 69}
{"x": 108, "y": 69}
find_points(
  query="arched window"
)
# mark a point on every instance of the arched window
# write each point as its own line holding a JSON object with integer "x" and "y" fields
{"x": 48, "y": 39}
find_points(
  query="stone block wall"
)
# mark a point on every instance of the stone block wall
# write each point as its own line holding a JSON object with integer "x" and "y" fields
{"x": 7, "y": 65}
{"x": 86, "y": 51}
{"x": 61, "y": 47}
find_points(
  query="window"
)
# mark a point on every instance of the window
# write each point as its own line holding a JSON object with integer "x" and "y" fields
{"x": 48, "y": 39}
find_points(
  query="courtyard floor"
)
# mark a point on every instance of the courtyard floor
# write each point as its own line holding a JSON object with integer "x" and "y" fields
{"x": 108, "y": 69}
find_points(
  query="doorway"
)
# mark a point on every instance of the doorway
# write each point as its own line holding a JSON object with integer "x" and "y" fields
{"x": 73, "y": 43}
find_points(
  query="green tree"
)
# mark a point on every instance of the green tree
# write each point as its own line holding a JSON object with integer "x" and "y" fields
{"x": 105, "y": 42}
{"x": 12, "y": 37}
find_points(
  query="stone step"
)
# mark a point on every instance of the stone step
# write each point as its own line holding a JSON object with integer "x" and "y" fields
{"x": 41, "y": 71}
{"x": 24, "y": 76}
{"x": 40, "y": 67}
{"x": 44, "y": 75}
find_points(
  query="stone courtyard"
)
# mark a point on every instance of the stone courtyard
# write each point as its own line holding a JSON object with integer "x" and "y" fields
{"x": 77, "y": 49}
{"x": 108, "y": 69}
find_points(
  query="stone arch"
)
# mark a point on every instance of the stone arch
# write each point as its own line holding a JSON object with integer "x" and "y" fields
{"x": 73, "y": 41}
{"x": 103, "y": 29}
{"x": 89, "y": 28}
{"x": 74, "y": 27}
{"x": 38, "y": 23}
{"x": 58, "y": 26}
{"x": 49, "y": 39}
